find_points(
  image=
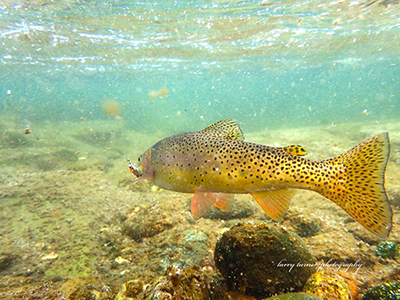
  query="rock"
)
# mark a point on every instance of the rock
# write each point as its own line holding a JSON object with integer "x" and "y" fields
{"x": 131, "y": 289}
{"x": 306, "y": 227}
{"x": 84, "y": 293}
{"x": 183, "y": 249}
{"x": 191, "y": 283}
{"x": 50, "y": 256}
{"x": 262, "y": 260}
{"x": 6, "y": 260}
{"x": 55, "y": 278}
{"x": 387, "y": 291}
{"x": 13, "y": 139}
{"x": 394, "y": 196}
{"x": 295, "y": 296}
{"x": 240, "y": 209}
{"x": 362, "y": 235}
{"x": 387, "y": 249}
{"x": 145, "y": 223}
{"x": 34, "y": 292}
{"x": 329, "y": 286}
{"x": 65, "y": 155}
{"x": 85, "y": 289}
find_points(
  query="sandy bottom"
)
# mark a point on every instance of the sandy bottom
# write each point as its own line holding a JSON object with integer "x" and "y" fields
{"x": 71, "y": 217}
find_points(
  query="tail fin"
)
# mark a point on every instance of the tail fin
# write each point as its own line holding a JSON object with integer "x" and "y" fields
{"x": 359, "y": 188}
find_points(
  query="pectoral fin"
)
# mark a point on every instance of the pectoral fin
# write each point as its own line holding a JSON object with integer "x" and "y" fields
{"x": 203, "y": 202}
{"x": 274, "y": 202}
{"x": 223, "y": 201}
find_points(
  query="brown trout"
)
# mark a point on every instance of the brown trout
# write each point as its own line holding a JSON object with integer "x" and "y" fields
{"x": 215, "y": 162}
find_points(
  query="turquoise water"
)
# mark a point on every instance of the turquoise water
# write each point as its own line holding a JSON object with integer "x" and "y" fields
{"x": 98, "y": 81}
{"x": 269, "y": 65}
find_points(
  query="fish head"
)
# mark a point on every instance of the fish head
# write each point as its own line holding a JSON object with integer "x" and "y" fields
{"x": 142, "y": 170}
{"x": 144, "y": 163}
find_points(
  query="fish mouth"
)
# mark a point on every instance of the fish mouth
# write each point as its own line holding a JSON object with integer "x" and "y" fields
{"x": 135, "y": 170}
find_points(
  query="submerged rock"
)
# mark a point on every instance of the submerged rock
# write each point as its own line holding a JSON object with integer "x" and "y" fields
{"x": 131, "y": 289}
{"x": 394, "y": 196}
{"x": 329, "y": 286}
{"x": 191, "y": 283}
{"x": 363, "y": 235}
{"x": 238, "y": 210}
{"x": 387, "y": 249}
{"x": 295, "y": 296}
{"x": 14, "y": 139}
{"x": 89, "y": 291}
{"x": 387, "y": 291}
{"x": 84, "y": 294}
{"x": 145, "y": 223}
{"x": 306, "y": 227}
{"x": 6, "y": 261}
{"x": 183, "y": 248}
{"x": 263, "y": 260}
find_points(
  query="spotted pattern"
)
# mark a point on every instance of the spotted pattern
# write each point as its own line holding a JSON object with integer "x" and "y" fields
{"x": 355, "y": 180}
{"x": 225, "y": 129}
{"x": 193, "y": 161}
{"x": 295, "y": 150}
{"x": 359, "y": 185}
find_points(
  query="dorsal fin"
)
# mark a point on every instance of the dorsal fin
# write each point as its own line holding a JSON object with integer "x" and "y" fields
{"x": 295, "y": 150}
{"x": 225, "y": 129}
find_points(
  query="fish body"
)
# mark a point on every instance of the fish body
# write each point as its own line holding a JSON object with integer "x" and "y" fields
{"x": 192, "y": 162}
{"x": 216, "y": 162}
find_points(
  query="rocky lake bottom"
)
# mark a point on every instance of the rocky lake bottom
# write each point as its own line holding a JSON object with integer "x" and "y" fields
{"x": 74, "y": 226}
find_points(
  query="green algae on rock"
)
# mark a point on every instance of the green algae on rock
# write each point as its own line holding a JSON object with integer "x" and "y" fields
{"x": 387, "y": 249}
{"x": 294, "y": 296}
{"x": 262, "y": 260}
{"x": 387, "y": 291}
{"x": 190, "y": 283}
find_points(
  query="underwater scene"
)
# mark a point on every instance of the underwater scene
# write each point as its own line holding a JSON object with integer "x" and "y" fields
{"x": 199, "y": 149}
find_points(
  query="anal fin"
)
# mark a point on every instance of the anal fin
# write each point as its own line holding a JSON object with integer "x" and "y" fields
{"x": 203, "y": 202}
{"x": 274, "y": 202}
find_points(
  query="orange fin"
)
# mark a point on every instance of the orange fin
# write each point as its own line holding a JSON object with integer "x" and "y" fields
{"x": 222, "y": 201}
{"x": 296, "y": 150}
{"x": 360, "y": 187}
{"x": 274, "y": 202}
{"x": 203, "y": 202}
{"x": 200, "y": 204}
